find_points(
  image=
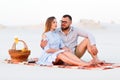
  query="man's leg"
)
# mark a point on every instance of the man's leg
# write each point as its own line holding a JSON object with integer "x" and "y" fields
{"x": 81, "y": 48}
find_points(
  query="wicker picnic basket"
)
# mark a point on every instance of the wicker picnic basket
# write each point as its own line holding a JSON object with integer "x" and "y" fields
{"x": 19, "y": 55}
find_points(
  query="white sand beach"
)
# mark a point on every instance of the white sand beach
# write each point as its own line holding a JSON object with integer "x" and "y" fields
{"x": 23, "y": 18}
{"x": 108, "y": 43}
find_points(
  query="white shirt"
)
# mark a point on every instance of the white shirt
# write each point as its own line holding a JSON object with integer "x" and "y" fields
{"x": 70, "y": 40}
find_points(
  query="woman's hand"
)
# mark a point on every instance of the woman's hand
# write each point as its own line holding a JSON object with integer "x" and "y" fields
{"x": 43, "y": 43}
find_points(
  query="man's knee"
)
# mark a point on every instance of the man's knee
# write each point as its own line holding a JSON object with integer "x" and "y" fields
{"x": 86, "y": 40}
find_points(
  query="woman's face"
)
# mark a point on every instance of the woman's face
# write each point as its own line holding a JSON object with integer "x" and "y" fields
{"x": 54, "y": 24}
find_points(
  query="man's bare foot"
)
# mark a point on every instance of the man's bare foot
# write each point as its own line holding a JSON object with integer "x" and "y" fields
{"x": 97, "y": 61}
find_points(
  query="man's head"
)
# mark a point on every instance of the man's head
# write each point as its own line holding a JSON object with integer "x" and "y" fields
{"x": 66, "y": 22}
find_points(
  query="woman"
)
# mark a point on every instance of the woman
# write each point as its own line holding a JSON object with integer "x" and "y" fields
{"x": 55, "y": 51}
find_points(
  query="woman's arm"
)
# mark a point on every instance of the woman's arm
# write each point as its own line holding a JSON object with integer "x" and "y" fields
{"x": 52, "y": 50}
{"x": 66, "y": 49}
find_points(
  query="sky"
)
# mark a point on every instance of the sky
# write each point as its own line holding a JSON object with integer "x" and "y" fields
{"x": 32, "y": 12}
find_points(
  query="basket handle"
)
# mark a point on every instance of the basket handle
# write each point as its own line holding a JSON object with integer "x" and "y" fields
{"x": 25, "y": 46}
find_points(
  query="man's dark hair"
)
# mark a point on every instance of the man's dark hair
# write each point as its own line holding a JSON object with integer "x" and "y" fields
{"x": 67, "y": 15}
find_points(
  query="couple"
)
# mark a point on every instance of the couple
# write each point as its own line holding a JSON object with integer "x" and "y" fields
{"x": 60, "y": 44}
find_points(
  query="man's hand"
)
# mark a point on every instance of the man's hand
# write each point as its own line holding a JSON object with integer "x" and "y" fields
{"x": 43, "y": 43}
{"x": 94, "y": 50}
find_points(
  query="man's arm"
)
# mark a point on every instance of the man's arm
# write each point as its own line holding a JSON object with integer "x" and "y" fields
{"x": 86, "y": 34}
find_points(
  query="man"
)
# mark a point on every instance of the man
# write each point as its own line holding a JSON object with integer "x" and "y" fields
{"x": 70, "y": 34}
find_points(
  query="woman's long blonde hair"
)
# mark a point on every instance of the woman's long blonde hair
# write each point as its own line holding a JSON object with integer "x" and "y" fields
{"x": 48, "y": 23}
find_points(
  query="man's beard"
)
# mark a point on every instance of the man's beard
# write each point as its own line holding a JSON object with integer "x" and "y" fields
{"x": 65, "y": 28}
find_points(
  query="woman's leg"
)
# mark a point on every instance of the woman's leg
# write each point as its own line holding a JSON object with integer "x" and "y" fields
{"x": 70, "y": 61}
{"x": 73, "y": 57}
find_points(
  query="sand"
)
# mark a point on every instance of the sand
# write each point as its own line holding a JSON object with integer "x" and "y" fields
{"x": 107, "y": 39}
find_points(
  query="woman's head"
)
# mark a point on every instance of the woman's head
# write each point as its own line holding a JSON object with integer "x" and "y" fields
{"x": 50, "y": 24}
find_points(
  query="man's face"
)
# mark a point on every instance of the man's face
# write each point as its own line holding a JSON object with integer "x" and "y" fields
{"x": 65, "y": 23}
